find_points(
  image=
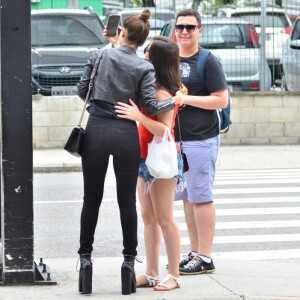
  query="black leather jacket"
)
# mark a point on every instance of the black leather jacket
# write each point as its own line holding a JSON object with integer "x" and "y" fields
{"x": 122, "y": 75}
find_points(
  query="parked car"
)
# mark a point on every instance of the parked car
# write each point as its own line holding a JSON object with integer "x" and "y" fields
{"x": 62, "y": 40}
{"x": 156, "y": 26}
{"x": 157, "y": 21}
{"x": 277, "y": 30}
{"x": 236, "y": 43}
{"x": 291, "y": 60}
{"x": 159, "y": 14}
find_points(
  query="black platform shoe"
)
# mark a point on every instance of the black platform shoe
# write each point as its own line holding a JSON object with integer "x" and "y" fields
{"x": 85, "y": 274}
{"x": 128, "y": 275}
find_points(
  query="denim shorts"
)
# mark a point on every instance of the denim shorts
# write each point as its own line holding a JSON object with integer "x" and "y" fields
{"x": 149, "y": 179}
{"x": 202, "y": 157}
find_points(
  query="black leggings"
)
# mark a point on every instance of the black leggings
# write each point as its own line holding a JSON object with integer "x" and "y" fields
{"x": 119, "y": 138}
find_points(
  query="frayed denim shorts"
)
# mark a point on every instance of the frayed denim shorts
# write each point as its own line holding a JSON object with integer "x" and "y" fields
{"x": 149, "y": 179}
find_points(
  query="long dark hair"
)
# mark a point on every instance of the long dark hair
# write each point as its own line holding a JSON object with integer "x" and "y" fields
{"x": 164, "y": 55}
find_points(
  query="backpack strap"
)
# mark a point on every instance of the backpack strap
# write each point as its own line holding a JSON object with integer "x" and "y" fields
{"x": 223, "y": 114}
{"x": 201, "y": 61}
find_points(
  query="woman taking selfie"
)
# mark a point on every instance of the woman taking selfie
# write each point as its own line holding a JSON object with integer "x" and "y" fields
{"x": 121, "y": 76}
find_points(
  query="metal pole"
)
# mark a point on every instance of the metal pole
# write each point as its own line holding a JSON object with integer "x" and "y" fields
{"x": 17, "y": 264}
{"x": 73, "y": 3}
{"x": 16, "y": 251}
{"x": 174, "y": 5}
{"x": 263, "y": 66}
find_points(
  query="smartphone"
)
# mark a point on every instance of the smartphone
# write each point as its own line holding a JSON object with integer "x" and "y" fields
{"x": 112, "y": 24}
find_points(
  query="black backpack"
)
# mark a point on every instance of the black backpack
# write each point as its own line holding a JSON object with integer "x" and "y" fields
{"x": 223, "y": 114}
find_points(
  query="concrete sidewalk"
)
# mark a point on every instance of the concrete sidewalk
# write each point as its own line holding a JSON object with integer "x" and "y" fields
{"x": 233, "y": 279}
{"x": 230, "y": 158}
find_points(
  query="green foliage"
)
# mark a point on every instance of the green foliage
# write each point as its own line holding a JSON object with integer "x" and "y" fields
{"x": 228, "y": 2}
{"x": 143, "y": 3}
{"x": 137, "y": 3}
{"x": 209, "y": 5}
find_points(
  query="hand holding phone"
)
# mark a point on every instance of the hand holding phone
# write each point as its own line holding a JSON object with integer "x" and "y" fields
{"x": 112, "y": 24}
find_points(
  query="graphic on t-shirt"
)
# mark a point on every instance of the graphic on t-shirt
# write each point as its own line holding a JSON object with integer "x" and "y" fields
{"x": 185, "y": 70}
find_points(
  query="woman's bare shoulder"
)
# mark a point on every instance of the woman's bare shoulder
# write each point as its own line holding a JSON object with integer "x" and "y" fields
{"x": 162, "y": 94}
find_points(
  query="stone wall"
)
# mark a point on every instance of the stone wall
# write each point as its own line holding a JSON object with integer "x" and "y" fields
{"x": 264, "y": 118}
{"x": 260, "y": 118}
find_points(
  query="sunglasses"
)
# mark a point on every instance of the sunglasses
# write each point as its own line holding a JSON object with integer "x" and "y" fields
{"x": 146, "y": 49}
{"x": 189, "y": 28}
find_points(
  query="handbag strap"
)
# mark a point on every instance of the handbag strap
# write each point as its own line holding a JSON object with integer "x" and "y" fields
{"x": 91, "y": 83}
{"x": 179, "y": 131}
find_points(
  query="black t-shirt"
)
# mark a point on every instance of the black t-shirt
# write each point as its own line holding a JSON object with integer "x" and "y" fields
{"x": 197, "y": 123}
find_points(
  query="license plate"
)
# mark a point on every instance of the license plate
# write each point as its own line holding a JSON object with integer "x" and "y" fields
{"x": 64, "y": 91}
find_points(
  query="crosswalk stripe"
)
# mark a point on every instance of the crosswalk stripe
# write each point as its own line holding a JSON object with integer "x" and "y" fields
{"x": 250, "y": 211}
{"x": 257, "y": 181}
{"x": 260, "y": 171}
{"x": 250, "y": 200}
{"x": 242, "y": 239}
{"x": 230, "y": 188}
{"x": 256, "y": 190}
{"x": 254, "y": 176}
{"x": 252, "y": 224}
{"x": 258, "y": 255}
{"x": 256, "y": 200}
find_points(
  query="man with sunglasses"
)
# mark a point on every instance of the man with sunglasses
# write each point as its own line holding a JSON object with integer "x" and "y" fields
{"x": 199, "y": 128}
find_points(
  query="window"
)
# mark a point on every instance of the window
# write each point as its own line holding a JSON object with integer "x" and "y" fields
{"x": 296, "y": 31}
{"x": 61, "y": 30}
{"x": 220, "y": 36}
{"x": 272, "y": 20}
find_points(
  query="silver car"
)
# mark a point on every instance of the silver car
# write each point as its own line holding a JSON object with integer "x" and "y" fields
{"x": 277, "y": 31}
{"x": 291, "y": 60}
{"x": 155, "y": 27}
{"x": 236, "y": 43}
{"x": 157, "y": 21}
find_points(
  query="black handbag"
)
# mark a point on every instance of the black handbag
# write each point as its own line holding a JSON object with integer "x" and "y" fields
{"x": 74, "y": 144}
{"x": 75, "y": 141}
{"x": 185, "y": 166}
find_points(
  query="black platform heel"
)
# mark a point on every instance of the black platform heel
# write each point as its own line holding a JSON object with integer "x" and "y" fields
{"x": 85, "y": 274}
{"x": 128, "y": 275}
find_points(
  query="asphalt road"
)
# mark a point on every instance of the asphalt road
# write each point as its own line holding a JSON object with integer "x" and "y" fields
{"x": 258, "y": 212}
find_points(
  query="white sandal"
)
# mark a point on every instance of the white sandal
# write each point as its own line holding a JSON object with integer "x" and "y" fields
{"x": 151, "y": 281}
{"x": 165, "y": 287}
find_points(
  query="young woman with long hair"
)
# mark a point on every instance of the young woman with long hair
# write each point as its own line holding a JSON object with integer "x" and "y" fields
{"x": 156, "y": 196}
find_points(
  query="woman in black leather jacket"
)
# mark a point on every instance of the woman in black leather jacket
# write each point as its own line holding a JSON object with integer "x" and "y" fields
{"x": 121, "y": 76}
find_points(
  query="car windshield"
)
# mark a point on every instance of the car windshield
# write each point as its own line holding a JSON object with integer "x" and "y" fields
{"x": 272, "y": 20}
{"x": 296, "y": 31}
{"x": 56, "y": 30}
{"x": 165, "y": 16}
{"x": 220, "y": 36}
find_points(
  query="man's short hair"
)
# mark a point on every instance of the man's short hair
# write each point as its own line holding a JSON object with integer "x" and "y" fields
{"x": 189, "y": 12}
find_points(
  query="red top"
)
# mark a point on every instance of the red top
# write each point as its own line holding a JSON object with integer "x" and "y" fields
{"x": 146, "y": 137}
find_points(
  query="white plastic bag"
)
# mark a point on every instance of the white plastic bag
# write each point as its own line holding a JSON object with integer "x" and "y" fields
{"x": 162, "y": 156}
